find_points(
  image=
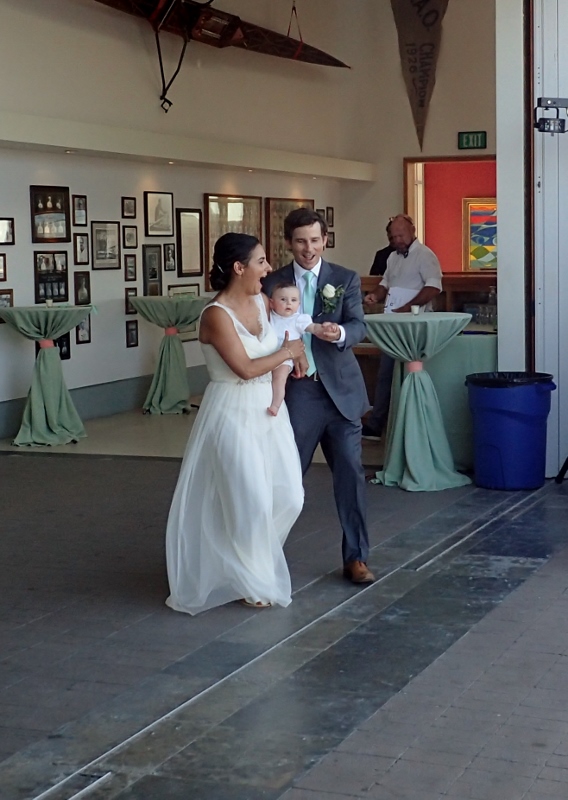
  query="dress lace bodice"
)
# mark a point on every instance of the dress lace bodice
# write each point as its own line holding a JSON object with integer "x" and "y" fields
{"x": 255, "y": 346}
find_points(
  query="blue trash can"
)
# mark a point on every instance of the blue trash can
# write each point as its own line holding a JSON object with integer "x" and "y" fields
{"x": 509, "y": 411}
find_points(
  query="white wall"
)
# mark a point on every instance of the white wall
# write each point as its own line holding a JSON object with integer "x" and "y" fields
{"x": 104, "y": 181}
{"x": 79, "y": 69}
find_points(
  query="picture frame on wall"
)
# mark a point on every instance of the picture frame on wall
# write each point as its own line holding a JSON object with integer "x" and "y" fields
{"x": 225, "y": 213}
{"x": 159, "y": 213}
{"x": 129, "y": 237}
{"x": 130, "y": 266}
{"x": 169, "y": 257}
{"x": 83, "y": 331}
{"x": 190, "y": 333}
{"x": 80, "y": 248}
{"x": 105, "y": 245}
{"x": 79, "y": 206}
{"x": 129, "y": 292}
{"x": 329, "y": 216}
{"x": 64, "y": 345}
{"x": 330, "y": 239}
{"x": 321, "y": 212}
{"x": 3, "y": 268}
{"x": 479, "y": 224}
{"x": 7, "y": 231}
{"x": 50, "y": 217}
{"x": 189, "y": 234}
{"x": 152, "y": 269}
{"x": 50, "y": 276}
{"x": 132, "y": 333}
{"x": 6, "y": 300}
{"x": 128, "y": 207}
{"x": 82, "y": 285}
{"x": 276, "y": 209}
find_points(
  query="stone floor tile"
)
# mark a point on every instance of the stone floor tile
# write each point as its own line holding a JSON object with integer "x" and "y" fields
{"x": 552, "y": 773}
{"x": 489, "y": 786}
{"x": 346, "y": 773}
{"x": 546, "y": 790}
{"x": 419, "y": 776}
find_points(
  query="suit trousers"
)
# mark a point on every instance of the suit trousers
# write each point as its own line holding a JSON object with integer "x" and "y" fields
{"x": 315, "y": 419}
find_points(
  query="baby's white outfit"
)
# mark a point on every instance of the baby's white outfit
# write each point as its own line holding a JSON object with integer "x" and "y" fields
{"x": 295, "y": 325}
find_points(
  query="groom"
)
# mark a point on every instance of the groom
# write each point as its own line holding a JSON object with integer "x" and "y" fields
{"x": 326, "y": 405}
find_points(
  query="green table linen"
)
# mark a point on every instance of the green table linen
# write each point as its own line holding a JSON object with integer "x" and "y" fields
{"x": 169, "y": 390}
{"x": 49, "y": 418}
{"x": 417, "y": 454}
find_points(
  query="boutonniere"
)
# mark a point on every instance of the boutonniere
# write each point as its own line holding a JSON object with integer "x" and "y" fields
{"x": 330, "y": 295}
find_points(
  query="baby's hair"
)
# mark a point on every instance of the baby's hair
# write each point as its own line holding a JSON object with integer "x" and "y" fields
{"x": 284, "y": 285}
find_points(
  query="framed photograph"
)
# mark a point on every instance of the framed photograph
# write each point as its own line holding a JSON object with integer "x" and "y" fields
{"x": 190, "y": 333}
{"x": 130, "y": 292}
{"x": 276, "y": 209}
{"x": 105, "y": 244}
{"x": 79, "y": 205}
{"x": 132, "y": 333}
{"x": 329, "y": 216}
{"x": 7, "y": 230}
{"x": 129, "y": 237}
{"x": 82, "y": 281}
{"x": 321, "y": 212}
{"x": 6, "y": 300}
{"x": 50, "y": 214}
{"x": 3, "y": 268}
{"x": 479, "y": 221}
{"x": 225, "y": 213}
{"x": 159, "y": 213}
{"x": 83, "y": 331}
{"x": 330, "y": 239}
{"x": 50, "y": 276}
{"x": 169, "y": 257}
{"x": 64, "y": 344}
{"x": 129, "y": 267}
{"x": 152, "y": 269}
{"x": 80, "y": 248}
{"x": 189, "y": 230}
{"x": 128, "y": 207}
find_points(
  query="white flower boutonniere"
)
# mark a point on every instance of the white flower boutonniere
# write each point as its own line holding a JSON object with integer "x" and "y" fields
{"x": 330, "y": 295}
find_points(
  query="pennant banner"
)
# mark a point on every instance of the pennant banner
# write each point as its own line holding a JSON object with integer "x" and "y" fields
{"x": 419, "y": 26}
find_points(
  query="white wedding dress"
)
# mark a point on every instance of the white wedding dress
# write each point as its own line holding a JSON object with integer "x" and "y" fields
{"x": 239, "y": 490}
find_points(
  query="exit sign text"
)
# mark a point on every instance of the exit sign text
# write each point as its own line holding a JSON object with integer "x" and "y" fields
{"x": 472, "y": 140}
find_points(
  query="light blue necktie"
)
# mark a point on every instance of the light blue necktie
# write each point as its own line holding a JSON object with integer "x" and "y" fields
{"x": 308, "y": 300}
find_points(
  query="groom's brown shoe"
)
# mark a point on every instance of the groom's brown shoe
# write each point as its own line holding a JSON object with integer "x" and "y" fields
{"x": 358, "y": 572}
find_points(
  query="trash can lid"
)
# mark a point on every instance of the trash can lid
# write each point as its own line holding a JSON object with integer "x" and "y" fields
{"x": 504, "y": 380}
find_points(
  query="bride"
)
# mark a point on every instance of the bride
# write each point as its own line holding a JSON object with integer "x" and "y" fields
{"x": 240, "y": 487}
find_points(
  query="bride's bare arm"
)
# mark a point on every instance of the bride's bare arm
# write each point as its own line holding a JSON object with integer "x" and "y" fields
{"x": 217, "y": 328}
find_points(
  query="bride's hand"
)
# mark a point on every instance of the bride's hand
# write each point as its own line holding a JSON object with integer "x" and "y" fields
{"x": 294, "y": 347}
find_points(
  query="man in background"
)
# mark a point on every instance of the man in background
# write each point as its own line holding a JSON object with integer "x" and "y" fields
{"x": 379, "y": 264}
{"x": 413, "y": 277}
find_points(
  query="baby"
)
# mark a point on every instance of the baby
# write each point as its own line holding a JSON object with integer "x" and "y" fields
{"x": 285, "y": 317}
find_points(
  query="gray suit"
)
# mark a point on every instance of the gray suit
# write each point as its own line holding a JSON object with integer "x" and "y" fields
{"x": 329, "y": 410}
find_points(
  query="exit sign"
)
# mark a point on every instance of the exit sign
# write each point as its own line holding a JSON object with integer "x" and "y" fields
{"x": 472, "y": 140}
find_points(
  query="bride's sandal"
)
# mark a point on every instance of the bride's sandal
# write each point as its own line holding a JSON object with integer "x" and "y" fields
{"x": 252, "y": 604}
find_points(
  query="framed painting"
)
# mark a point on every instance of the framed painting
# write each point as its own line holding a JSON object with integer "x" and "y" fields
{"x": 159, "y": 213}
{"x": 50, "y": 277}
{"x": 50, "y": 216}
{"x": 130, "y": 237}
{"x": 79, "y": 205}
{"x": 132, "y": 333}
{"x": 192, "y": 289}
{"x": 80, "y": 248}
{"x": 105, "y": 242}
{"x": 83, "y": 331}
{"x": 82, "y": 288}
{"x": 169, "y": 257}
{"x": 225, "y": 213}
{"x": 6, "y": 300}
{"x": 130, "y": 267}
{"x": 276, "y": 209}
{"x": 329, "y": 216}
{"x": 330, "y": 239}
{"x": 7, "y": 235}
{"x": 128, "y": 207}
{"x": 189, "y": 230}
{"x": 152, "y": 269}
{"x": 479, "y": 215}
{"x": 3, "y": 269}
{"x": 129, "y": 293}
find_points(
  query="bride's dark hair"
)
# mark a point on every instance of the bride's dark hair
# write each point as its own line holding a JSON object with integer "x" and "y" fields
{"x": 229, "y": 248}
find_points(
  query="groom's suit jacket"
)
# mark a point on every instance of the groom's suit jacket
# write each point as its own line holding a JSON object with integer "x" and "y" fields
{"x": 336, "y": 365}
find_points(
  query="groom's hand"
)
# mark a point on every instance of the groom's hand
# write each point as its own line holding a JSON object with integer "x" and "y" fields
{"x": 300, "y": 367}
{"x": 328, "y": 332}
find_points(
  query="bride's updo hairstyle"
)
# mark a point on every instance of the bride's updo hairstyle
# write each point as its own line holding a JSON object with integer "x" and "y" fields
{"x": 229, "y": 248}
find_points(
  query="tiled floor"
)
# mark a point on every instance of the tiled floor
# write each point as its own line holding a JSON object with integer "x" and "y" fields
{"x": 446, "y": 678}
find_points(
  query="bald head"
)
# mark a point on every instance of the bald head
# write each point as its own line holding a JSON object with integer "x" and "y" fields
{"x": 402, "y": 232}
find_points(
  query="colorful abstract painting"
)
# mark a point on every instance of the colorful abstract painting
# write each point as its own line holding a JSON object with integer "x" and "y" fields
{"x": 479, "y": 233}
